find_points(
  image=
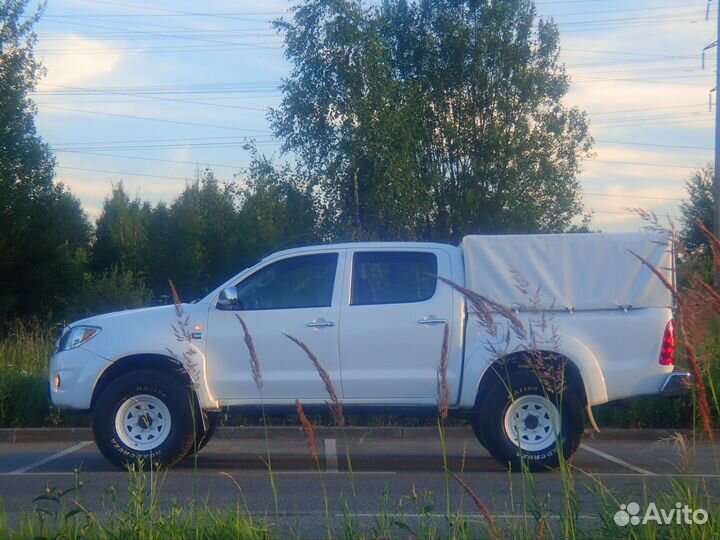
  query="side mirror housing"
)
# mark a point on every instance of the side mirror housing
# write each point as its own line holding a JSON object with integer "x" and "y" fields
{"x": 228, "y": 299}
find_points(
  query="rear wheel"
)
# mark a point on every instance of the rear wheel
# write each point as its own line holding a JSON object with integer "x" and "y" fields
{"x": 144, "y": 417}
{"x": 524, "y": 422}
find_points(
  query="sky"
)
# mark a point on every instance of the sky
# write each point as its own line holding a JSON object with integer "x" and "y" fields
{"x": 148, "y": 94}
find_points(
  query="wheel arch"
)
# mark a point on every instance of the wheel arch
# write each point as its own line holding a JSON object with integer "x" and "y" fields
{"x": 522, "y": 361}
{"x": 137, "y": 362}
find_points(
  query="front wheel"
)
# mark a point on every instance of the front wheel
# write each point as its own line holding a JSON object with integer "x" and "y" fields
{"x": 204, "y": 432}
{"x": 523, "y": 422}
{"x": 144, "y": 417}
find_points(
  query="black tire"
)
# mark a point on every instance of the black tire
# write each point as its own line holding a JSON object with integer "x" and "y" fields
{"x": 144, "y": 417}
{"x": 475, "y": 425}
{"x": 532, "y": 407}
{"x": 202, "y": 435}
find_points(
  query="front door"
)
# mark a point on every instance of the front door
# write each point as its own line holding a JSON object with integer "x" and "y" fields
{"x": 295, "y": 295}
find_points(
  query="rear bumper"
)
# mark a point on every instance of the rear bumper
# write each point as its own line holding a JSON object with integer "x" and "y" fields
{"x": 677, "y": 384}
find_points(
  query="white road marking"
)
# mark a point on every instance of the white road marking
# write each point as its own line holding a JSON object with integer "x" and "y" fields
{"x": 331, "y": 459}
{"x": 669, "y": 475}
{"x": 617, "y": 461}
{"x": 354, "y": 473}
{"x": 37, "y": 474}
{"x": 43, "y": 461}
{"x": 474, "y": 516}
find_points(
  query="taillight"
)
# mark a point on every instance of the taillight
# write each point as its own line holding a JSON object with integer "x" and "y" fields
{"x": 667, "y": 351}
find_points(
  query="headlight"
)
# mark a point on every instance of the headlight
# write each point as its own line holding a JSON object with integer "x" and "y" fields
{"x": 76, "y": 336}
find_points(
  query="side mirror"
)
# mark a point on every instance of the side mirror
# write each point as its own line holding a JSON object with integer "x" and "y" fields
{"x": 228, "y": 299}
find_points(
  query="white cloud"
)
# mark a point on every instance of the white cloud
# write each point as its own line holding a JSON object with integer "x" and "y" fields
{"x": 78, "y": 63}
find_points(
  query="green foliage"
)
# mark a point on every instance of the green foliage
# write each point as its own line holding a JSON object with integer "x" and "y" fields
{"x": 121, "y": 232}
{"x": 276, "y": 210}
{"x": 115, "y": 289}
{"x": 201, "y": 247}
{"x": 431, "y": 119}
{"x": 44, "y": 230}
{"x": 699, "y": 206}
{"x": 24, "y": 355}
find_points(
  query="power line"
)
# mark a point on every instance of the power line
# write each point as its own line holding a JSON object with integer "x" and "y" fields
{"x": 134, "y": 141}
{"x": 155, "y": 98}
{"x": 629, "y": 213}
{"x": 198, "y": 162}
{"x": 122, "y": 173}
{"x": 144, "y": 15}
{"x": 151, "y": 119}
{"x": 642, "y": 164}
{"x": 164, "y": 10}
{"x": 655, "y": 144}
{"x": 630, "y": 196}
{"x": 661, "y": 123}
{"x": 622, "y": 111}
{"x": 623, "y": 10}
{"x": 640, "y": 120}
{"x": 177, "y": 88}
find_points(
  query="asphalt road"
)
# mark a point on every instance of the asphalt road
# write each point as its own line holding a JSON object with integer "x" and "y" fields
{"x": 233, "y": 470}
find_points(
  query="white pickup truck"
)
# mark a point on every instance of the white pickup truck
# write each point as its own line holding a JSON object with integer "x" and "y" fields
{"x": 596, "y": 325}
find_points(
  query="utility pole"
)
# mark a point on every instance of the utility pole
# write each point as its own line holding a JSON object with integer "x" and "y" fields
{"x": 716, "y": 168}
{"x": 716, "y": 176}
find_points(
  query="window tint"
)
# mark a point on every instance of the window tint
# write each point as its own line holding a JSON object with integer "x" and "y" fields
{"x": 386, "y": 277}
{"x": 299, "y": 282}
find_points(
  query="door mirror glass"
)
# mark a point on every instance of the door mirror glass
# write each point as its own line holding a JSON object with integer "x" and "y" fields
{"x": 228, "y": 299}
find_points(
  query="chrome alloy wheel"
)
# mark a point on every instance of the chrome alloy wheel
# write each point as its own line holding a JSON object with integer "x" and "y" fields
{"x": 142, "y": 422}
{"x": 532, "y": 423}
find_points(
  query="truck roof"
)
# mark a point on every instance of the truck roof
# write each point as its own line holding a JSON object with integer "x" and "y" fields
{"x": 363, "y": 245}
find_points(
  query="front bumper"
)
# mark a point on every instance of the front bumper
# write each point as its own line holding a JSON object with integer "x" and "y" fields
{"x": 77, "y": 370}
{"x": 677, "y": 384}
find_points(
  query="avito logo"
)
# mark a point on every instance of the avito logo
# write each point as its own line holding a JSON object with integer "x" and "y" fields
{"x": 629, "y": 514}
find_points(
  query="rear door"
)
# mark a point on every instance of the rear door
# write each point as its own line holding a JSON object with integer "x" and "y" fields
{"x": 393, "y": 318}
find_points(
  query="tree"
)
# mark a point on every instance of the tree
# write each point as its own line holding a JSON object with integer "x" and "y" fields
{"x": 434, "y": 118}
{"x": 202, "y": 237}
{"x": 121, "y": 236}
{"x": 276, "y": 210}
{"x": 698, "y": 207}
{"x": 44, "y": 230}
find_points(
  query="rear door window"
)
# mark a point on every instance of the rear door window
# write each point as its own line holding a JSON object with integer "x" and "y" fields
{"x": 392, "y": 277}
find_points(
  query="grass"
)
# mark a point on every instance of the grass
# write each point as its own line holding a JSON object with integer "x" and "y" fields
{"x": 24, "y": 402}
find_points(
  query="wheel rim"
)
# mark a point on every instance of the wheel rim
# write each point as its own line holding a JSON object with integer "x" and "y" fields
{"x": 532, "y": 423}
{"x": 143, "y": 422}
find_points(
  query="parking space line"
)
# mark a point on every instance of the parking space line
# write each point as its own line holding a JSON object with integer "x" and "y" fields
{"x": 331, "y": 459}
{"x": 43, "y": 461}
{"x": 617, "y": 461}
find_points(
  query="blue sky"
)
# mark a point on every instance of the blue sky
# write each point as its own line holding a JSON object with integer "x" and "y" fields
{"x": 148, "y": 93}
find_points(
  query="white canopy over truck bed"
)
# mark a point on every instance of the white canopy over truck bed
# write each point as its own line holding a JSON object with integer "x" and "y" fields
{"x": 574, "y": 272}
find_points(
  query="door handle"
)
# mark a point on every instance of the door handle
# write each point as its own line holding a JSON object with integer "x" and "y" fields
{"x": 320, "y": 323}
{"x": 431, "y": 320}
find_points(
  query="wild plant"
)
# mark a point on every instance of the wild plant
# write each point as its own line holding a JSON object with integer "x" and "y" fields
{"x": 256, "y": 370}
{"x": 335, "y": 407}
{"x": 183, "y": 334}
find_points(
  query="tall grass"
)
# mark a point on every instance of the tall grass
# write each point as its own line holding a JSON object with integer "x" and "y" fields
{"x": 24, "y": 400}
